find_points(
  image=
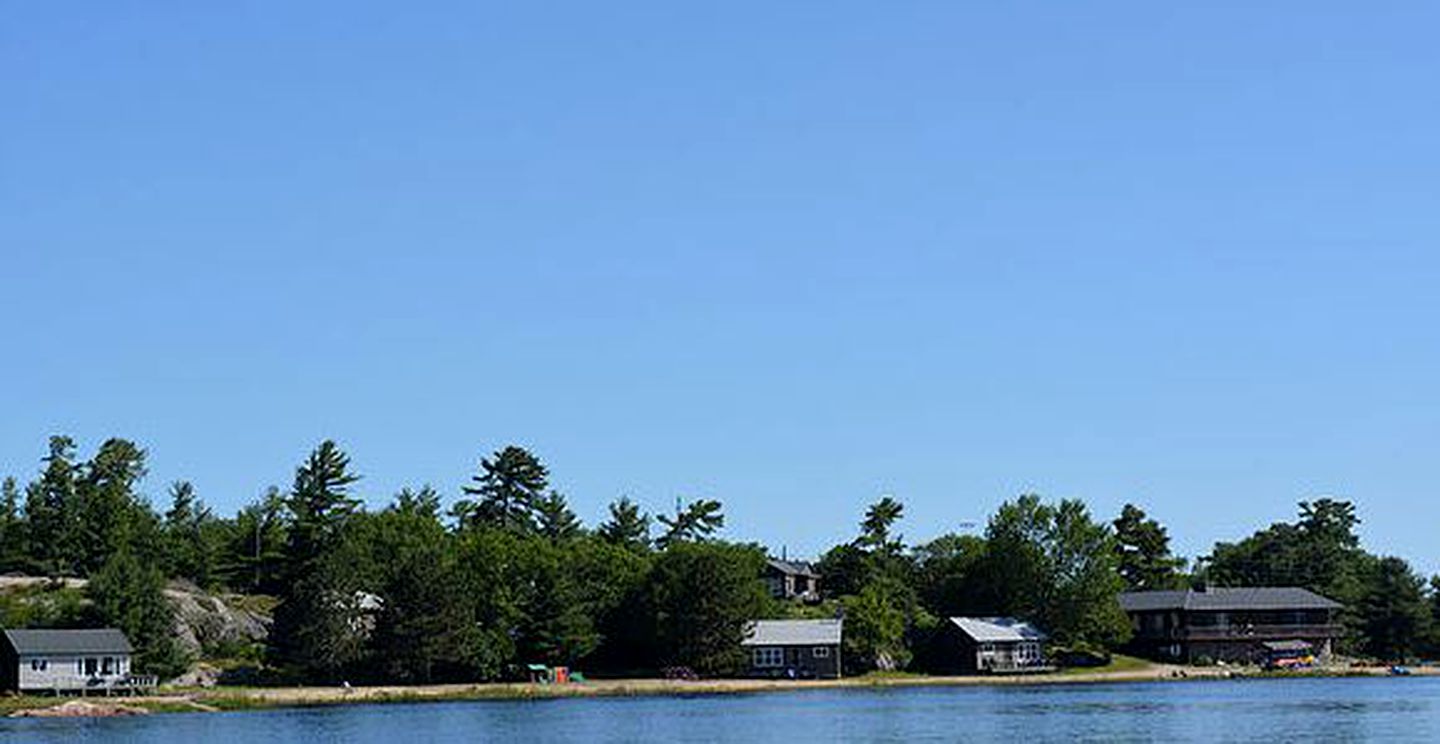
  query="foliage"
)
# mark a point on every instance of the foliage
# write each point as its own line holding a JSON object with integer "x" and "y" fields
{"x": 1054, "y": 565}
{"x": 696, "y": 521}
{"x": 1143, "y": 546}
{"x": 508, "y": 486}
{"x": 130, "y": 595}
{"x": 703, "y": 594}
{"x": 627, "y": 527}
{"x": 316, "y": 627}
{"x": 874, "y": 636}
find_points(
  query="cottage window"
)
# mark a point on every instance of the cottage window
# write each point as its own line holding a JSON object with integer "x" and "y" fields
{"x": 107, "y": 665}
{"x": 820, "y": 652}
{"x": 90, "y": 665}
{"x": 767, "y": 656}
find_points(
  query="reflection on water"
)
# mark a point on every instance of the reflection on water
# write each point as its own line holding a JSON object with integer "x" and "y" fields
{"x": 1269, "y": 710}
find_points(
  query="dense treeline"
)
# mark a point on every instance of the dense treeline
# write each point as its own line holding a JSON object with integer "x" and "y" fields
{"x": 507, "y": 576}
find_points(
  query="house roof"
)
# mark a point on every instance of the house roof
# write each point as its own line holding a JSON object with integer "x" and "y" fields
{"x": 1228, "y": 598}
{"x": 793, "y": 568}
{"x": 793, "y": 633}
{"x": 997, "y": 629}
{"x": 98, "y": 641}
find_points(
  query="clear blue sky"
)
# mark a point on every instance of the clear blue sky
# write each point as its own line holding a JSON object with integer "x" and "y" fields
{"x": 792, "y": 256}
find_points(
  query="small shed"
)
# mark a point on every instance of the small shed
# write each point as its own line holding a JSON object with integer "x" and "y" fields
{"x": 995, "y": 644}
{"x": 794, "y": 649}
{"x": 65, "y": 660}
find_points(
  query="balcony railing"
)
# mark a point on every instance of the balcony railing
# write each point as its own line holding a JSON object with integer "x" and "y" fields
{"x": 1258, "y": 632}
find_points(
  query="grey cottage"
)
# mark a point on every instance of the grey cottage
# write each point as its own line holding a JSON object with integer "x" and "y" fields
{"x": 795, "y": 649}
{"x": 66, "y": 661}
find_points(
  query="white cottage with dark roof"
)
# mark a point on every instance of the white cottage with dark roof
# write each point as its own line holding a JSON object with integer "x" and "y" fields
{"x": 65, "y": 660}
{"x": 795, "y": 649}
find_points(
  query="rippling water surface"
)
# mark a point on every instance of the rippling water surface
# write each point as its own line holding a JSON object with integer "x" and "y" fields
{"x": 1398, "y": 709}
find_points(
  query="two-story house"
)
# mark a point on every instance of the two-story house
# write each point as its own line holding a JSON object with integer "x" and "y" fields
{"x": 1229, "y": 624}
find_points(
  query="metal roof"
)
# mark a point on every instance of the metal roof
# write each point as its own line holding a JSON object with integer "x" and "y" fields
{"x": 48, "y": 641}
{"x": 997, "y": 629}
{"x": 1228, "y": 598}
{"x": 794, "y": 568}
{"x": 793, "y": 633}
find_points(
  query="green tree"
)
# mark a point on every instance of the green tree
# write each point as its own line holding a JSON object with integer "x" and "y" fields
{"x": 130, "y": 595}
{"x": 627, "y": 526}
{"x": 693, "y": 522}
{"x": 875, "y": 626}
{"x": 253, "y": 559}
{"x": 111, "y": 515}
{"x": 54, "y": 542}
{"x": 317, "y": 629}
{"x": 423, "y": 630}
{"x": 703, "y": 594}
{"x": 190, "y": 536}
{"x": 951, "y": 576}
{"x": 1143, "y": 547}
{"x": 12, "y": 528}
{"x": 1056, "y": 566}
{"x": 1394, "y": 612}
{"x": 508, "y": 486}
{"x": 875, "y": 529}
{"x": 554, "y": 520}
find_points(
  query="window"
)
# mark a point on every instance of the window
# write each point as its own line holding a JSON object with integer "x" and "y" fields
{"x": 107, "y": 665}
{"x": 39, "y": 665}
{"x": 820, "y": 652}
{"x": 90, "y": 665}
{"x": 767, "y": 656}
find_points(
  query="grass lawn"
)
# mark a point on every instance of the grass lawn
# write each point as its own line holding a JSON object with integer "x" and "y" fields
{"x": 1118, "y": 663}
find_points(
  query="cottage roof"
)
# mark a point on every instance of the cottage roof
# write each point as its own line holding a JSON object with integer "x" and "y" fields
{"x": 55, "y": 641}
{"x": 793, "y": 633}
{"x": 1228, "y": 598}
{"x": 997, "y": 629}
{"x": 793, "y": 568}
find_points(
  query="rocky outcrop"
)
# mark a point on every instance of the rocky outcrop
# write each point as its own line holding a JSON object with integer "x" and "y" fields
{"x": 81, "y": 709}
{"x": 205, "y": 623}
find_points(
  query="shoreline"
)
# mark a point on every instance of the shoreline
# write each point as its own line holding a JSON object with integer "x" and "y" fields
{"x": 257, "y": 698}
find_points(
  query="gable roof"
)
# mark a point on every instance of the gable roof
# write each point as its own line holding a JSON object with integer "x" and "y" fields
{"x": 53, "y": 641}
{"x": 793, "y": 568}
{"x": 997, "y": 629}
{"x": 793, "y": 633}
{"x": 1228, "y": 598}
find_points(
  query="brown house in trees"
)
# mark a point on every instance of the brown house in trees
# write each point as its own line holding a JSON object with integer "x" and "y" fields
{"x": 1237, "y": 625}
{"x": 797, "y": 580}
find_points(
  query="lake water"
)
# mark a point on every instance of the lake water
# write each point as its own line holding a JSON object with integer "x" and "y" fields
{"x": 1388, "y": 709}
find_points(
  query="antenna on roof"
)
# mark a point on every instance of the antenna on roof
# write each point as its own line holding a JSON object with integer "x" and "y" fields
{"x": 784, "y": 554}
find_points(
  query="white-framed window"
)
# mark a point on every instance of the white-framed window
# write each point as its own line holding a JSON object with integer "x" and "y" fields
{"x": 820, "y": 652}
{"x": 769, "y": 656}
{"x": 39, "y": 665}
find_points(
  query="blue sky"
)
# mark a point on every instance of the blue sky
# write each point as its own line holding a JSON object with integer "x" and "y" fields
{"x": 790, "y": 256}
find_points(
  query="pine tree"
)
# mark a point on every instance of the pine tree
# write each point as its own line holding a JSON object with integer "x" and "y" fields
{"x": 508, "y": 488}
{"x": 317, "y": 626}
{"x": 694, "y": 522}
{"x": 53, "y": 545}
{"x": 1143, "y": 547}
{"x": 12, "y": 528}
{"x": 627, "y": 526}
{"x": 130, "y": 595}
{"x": 554, "y": 520}
{"x": 189, "y": 547}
